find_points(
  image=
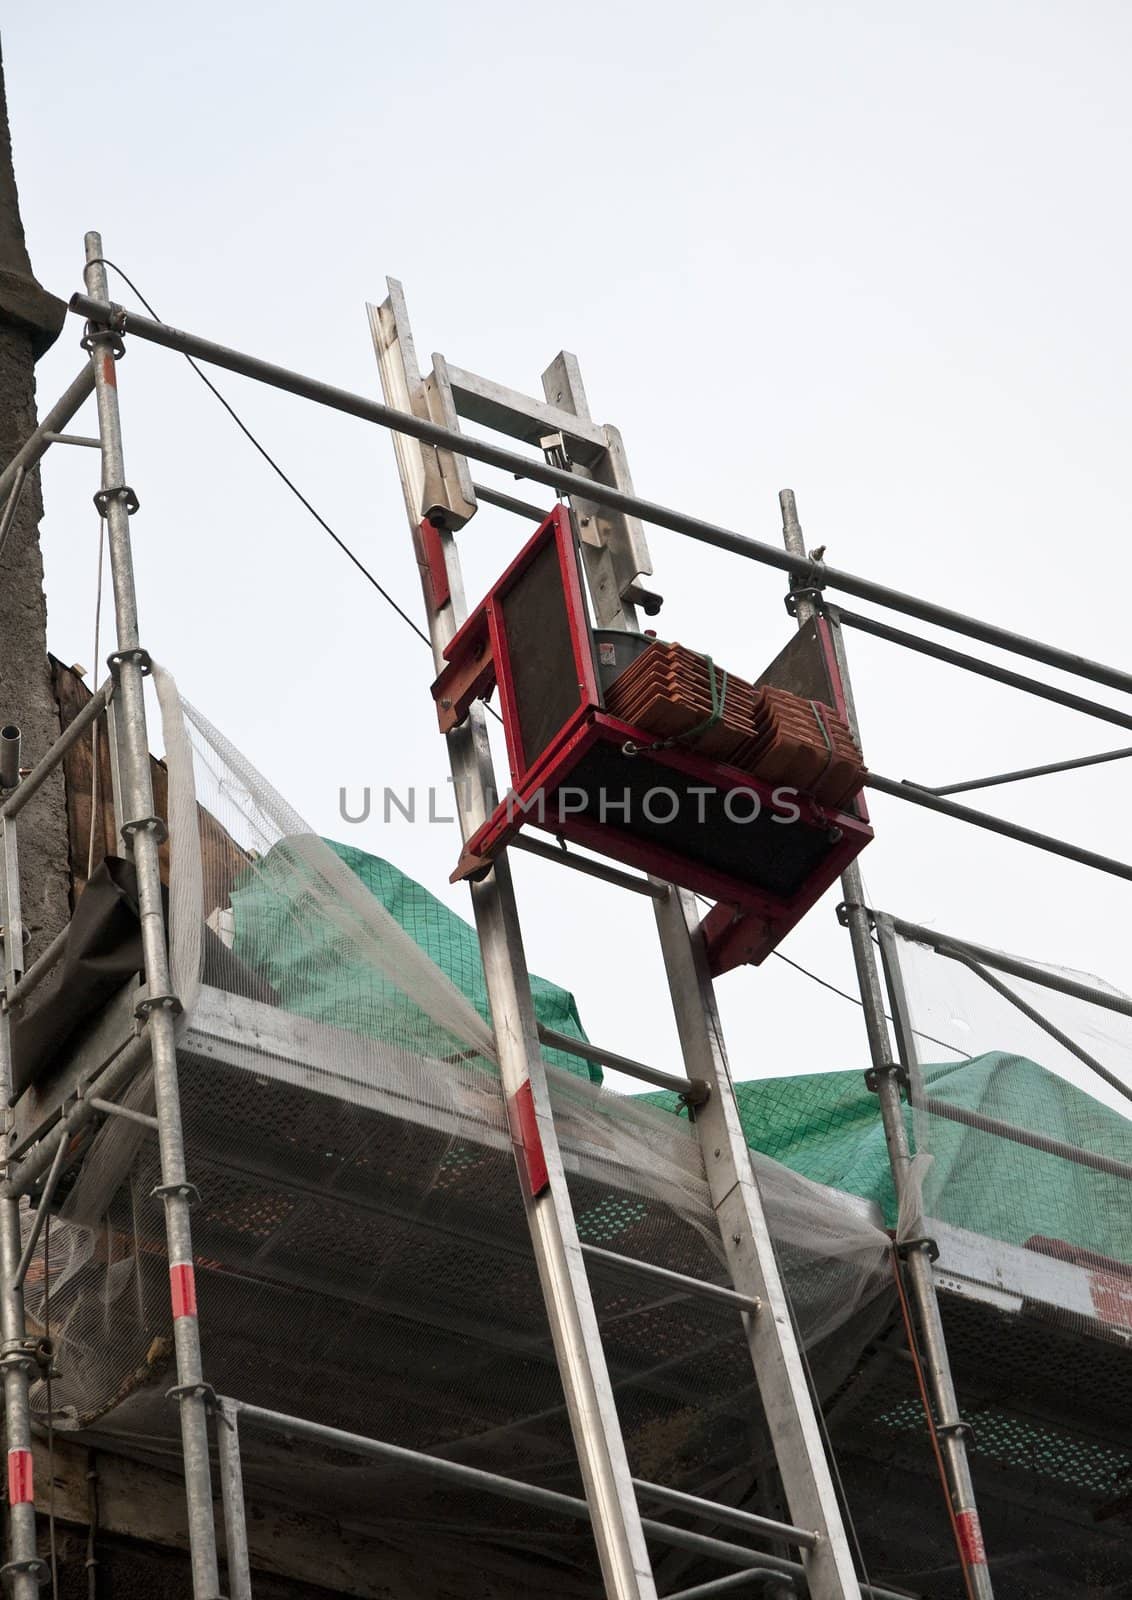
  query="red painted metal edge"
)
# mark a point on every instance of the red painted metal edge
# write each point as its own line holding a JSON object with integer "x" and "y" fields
{"x": 527, "y": 1140}
{"x": 21, "y": 1476}
{"x": 734, "y": 938}
{"x": 559, "y": 530}
{"x": 501, "y": 654}
{"x": 434, "y": 569}
{"x": 577, "y": 612}
{"x": 183, "y": 1290}
{"x": 971, "y": 1544}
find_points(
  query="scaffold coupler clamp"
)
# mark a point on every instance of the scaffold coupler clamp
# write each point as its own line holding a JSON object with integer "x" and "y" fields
{"x": 924, "y": 1241}
{"x": 121, "y": 658}
{"x": 109, "y": 333}
{"x": 154, "y": 825}
{"x": 958, "y": 1429}
{"x": 119, "y": 491}
{"x": 183, "y": 1391}
{"x": 157, "y": 1002}
{"x": 896, "y": 1069}
{"x": 33, "y": 1567}
{"x": 183, "y": 1190}
{"x": 806, "y": 583}
{"x": 845, "y": 907}
{"x": 26, "y": 1354}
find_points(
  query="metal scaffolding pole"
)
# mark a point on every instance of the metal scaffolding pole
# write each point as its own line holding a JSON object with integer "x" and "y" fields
{"x": 916, "y": 1255}
{"x": 982, "y": 669}
{"x": 232, "y": 1492}
{"x": 551, "y": 1500}
{"x": 142, "y": 832}
{"x": 1007, "y": 830}
{"x": 23, "y": 1569}
{"x": 803, "y": 569}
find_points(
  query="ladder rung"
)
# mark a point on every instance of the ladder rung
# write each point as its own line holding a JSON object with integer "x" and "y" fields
{"x": 733, "y": 1581}
{"x": 678, "y": 1280}
{"x": 803, "y": 1537}
{"x": 508, "y": 502}
{"x": 586, "y": 864}
{"x": 694, "y": 1090}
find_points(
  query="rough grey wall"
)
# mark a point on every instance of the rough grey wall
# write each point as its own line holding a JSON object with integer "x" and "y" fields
{"x": 29, "y": 321}
{"x": 26, "y": 695}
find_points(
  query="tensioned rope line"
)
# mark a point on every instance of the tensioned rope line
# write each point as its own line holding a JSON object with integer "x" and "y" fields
{"x": 271, "y": 461}
{"x": 279, "y": 472}
{"x": 852, "y": 998}
{"x": 844, "y": 994}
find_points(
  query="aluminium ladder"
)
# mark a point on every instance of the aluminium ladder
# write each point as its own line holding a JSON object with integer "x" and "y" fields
{"x": 440, "y": 498}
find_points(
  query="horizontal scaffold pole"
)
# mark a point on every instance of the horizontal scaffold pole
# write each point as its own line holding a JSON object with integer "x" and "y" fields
{"x": 946, "y": 944}
{"x": 982, "y": 669}
{"x": 805, "y": 572}
{"x": 992, "y": 824}
{"x": 406, "y": 1460}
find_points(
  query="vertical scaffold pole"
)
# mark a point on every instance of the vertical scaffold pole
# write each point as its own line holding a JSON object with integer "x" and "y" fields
{"x": 23, "y": 1569}
{"x": 917, "y": 1260}
{"x": 141, "y": 831}
{"x": 232, "y": 1494}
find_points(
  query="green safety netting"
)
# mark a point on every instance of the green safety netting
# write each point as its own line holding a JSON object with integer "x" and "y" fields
{"x": 825, "y": 1125}
{"x": 299, "y": 954}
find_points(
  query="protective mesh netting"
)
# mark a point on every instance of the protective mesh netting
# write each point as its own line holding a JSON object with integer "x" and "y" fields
{"x": 1017, "y": 1136}
{"x": 362, "y": 1255}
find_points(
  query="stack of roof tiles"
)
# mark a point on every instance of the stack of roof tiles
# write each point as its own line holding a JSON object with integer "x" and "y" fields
{"x": 685, "y": 699}
{"x": 667, "y": 691}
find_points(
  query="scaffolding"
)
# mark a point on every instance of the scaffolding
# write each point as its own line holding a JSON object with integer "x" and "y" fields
{"x": 586, "y": 466}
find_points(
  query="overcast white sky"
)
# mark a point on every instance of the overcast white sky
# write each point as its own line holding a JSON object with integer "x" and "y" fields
{"x": 878, "y": 252}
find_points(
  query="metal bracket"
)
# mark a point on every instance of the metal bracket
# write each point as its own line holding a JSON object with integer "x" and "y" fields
{"x": 896, "y": 1068}
{"x": 110, "y": 335}
{"x": 139, "y": 656}
{"x": 635, "y": 594}
{"x": 157, "y": 1002}
{"x": 35, "y": 1355}
{"x": 806, "y": 584}
{"x": 809, "y": 592}
{"x": 904, "y": 1247}
{"x": 185, "y": 1191}
{"x": 37, "y": 1569}
{"x": 553, "y": 447}
{"x": 20, "y": 1353}
{"x": 120, "y": 491}
{"x": 961, "y": 1429}
{"x": 181, "y": 1390}
{"x": 154, "y": 825}
{"x": 845, "y": 906}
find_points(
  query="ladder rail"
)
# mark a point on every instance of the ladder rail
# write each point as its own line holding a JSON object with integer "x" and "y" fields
{"x": 771, "y": 1337}
{"x": 588, "y": 1389}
